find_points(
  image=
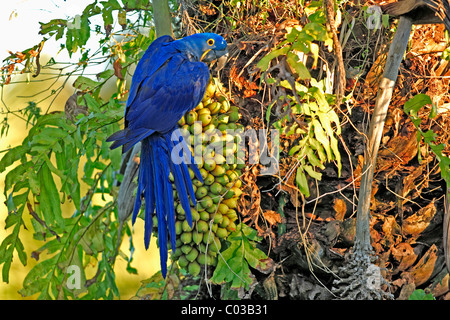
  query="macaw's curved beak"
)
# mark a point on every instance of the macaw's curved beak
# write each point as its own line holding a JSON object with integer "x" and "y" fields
{"x": 212, "y": 55}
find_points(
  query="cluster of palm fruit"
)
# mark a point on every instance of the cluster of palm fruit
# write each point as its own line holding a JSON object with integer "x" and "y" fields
{"x": 214, "y": 216}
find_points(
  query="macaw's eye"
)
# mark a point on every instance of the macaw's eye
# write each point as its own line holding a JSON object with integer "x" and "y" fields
{"x": 210, "y": 42}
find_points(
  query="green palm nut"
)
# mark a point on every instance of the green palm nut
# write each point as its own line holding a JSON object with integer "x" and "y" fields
{"x": 225, "y": 104}
{"x": 192, "y": 255}
{"x": 217, "y": 217}
{"x": 222, "y": 127}
{"x": 195, "y": 129}
{"x": 195, "y": 215}
{"x": 218, "y": 171}
{"x": 223, "y": 118}
{"x": 205, "y": 258}
{"x": 211, "y": 88}
{"x": 204, "y": 215}
{"x": 202, "y": 246}
{"x": 191, "y": 117}
{"x": 177, "y": 253}
{"x": 199, "y": 106}
{"x": 183, "y": 262}
{"x": 185, "y": 226}
{"x": 197, "y": 237}
{"x": 231, "y": 203}
{"x": 214, "y": 107}
{"x": 202, "y": 226}
{"x": 209, "y": 180}
{"x": 223, "y": 208}
{"x": 221, "y": 233}
{"x": 209, "y": 127}
{"x": 194, "y": 268}
{"x": 182, "y": 121}
{"x": 203, "y": 173}
{"x": 223, "y": 180}
{"x": 201, "y": 192}
{"x": 231, "y": 226}
{"x": 213, "y": 208}
{"x": 209, "y": 164}
{"x": 232, "y": 214}
{"x": 186, "y": 237}
{"x": 178, "y": 228}
{"x": 206, "y": 202}
{"x": 205, "y": 119}
{"x": 186, "y": 248}
{"x": 197, "y": 182}
{"x": 215, "y": 245}
{"x": 225, "y": 222}
{"x": 230, "y": 194}
{"x": 216, "y": 188}
{"x": 234, "y": 116}
{"x": 214, "y": 228}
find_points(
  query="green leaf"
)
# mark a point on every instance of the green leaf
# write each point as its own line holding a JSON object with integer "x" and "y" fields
{"x": 302, "y": 182}
{"x": 298, "y": 66}
{"x": 85, "y": 84}
{"x": 413, "y": 105}
{"x": 234, "y": 262}
{"x": 263, "y": 64}
{"x": 49, "y": 200}
{"x": 419, "y": 294}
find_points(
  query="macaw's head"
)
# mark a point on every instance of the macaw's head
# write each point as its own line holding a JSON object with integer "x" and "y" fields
{"x": 204, "y": 47}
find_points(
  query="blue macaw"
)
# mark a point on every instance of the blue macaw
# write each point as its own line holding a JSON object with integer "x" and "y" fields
{"x": 169, "y": 80}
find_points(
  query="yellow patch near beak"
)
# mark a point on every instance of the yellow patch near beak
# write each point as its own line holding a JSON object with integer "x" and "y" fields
{"x": 204, "y": 54}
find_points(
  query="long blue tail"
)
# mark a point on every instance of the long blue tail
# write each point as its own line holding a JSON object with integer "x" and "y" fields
{"x": 161, "y": 154}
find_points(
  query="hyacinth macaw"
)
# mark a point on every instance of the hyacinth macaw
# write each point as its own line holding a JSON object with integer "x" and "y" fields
{"x": 169, "y": 80}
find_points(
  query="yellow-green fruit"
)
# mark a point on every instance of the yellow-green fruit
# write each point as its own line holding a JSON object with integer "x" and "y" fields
{"x": 195, "y": 215}
{"x": 221, "y": 233}
{"x": 225, "y": 222}
{"x": 218, "y": 171}
{"x": 201, "y": 192}
{"x": 204, "y": 215}
{"x": 205, "y": 119}
{"x": 234, "y": 116}
{"x": 186, "y": 237}
{"x": 191, "y": 117}
{"x": 199, "y": 107}
{"x": 186, "y": 248}
{"x": 197, "y": 237}
{"x": 202, "y": 226}
{"x": 232, "y": 214}
{"x": 209, "y": 164}
{"x": 231, "y": 203}
{"x": 182, "y": 121}
{"x": 223, "y": 208}
{"x": 217, "y": 216}
{"x": 185, "y": 226}
{"x": 192, "y": 255}
{"x": 183, "y": 262}
{"x": 223, "y": 180}
{"x": 213, "y": 208}
{"x": 178, "y": 227}
{"x": 206, "y": 202}
{"x": 209, "y": 180}
{"x": 231, "y": 226}
{"x": 194, "y": 268}
{"x": 216, "y": 188}
{"x": 214, "y": 107}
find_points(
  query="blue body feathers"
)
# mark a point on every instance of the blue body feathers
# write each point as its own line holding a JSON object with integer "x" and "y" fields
{"x": 169, "y": 80}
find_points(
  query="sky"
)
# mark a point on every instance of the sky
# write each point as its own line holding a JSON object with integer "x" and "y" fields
{"x": 19, "y": 20}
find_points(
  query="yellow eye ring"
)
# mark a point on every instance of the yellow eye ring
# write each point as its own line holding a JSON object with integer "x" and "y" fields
{"x": 210, "y": 42}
